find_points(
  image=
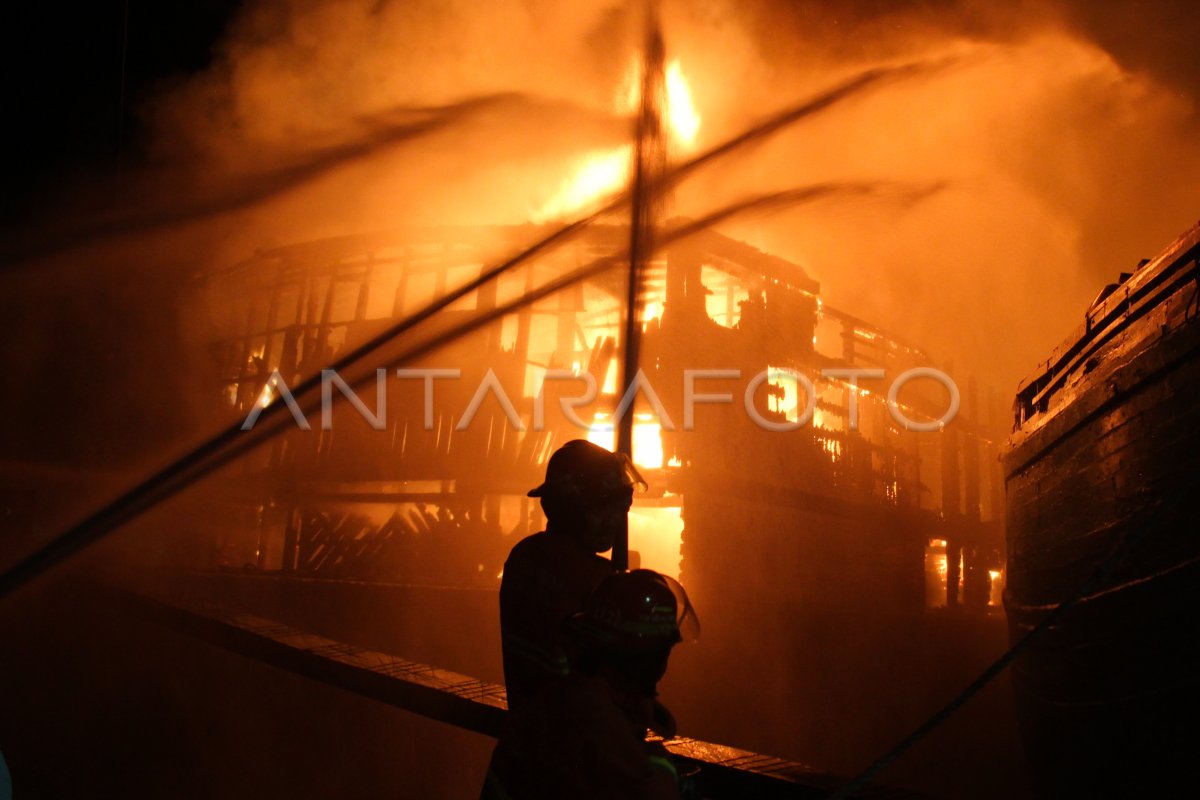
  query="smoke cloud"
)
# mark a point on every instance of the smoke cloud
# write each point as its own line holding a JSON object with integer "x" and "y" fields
{"x": 1063, "y": 165}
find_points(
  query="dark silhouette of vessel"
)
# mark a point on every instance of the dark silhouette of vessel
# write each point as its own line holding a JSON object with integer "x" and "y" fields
{"x": 1101, "y": 487}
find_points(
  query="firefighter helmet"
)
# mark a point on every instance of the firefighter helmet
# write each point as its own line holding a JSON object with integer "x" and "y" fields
{"x": 635, "y": 612}
{"x": 585, "y": 471}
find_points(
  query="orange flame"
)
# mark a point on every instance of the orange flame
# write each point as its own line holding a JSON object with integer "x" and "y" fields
{"x": 604, "y": 172}
{"x": 682, "y": 118}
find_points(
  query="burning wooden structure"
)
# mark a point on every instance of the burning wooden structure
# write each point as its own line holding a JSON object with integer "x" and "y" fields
{"x": 843, "y": 513}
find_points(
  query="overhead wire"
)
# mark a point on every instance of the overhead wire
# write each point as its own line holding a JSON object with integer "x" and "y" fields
{"x": 233, "y": 441}
{"x": 165, "y": 481}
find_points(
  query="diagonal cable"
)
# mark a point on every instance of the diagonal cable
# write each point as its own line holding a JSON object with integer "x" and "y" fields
{"x": 176, "y": 475}
{"x": 233, "y": 441}
{"x": 1160, "y": 518}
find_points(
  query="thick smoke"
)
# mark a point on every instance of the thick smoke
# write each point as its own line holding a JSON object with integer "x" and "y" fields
{"x": 1062, "y": 165}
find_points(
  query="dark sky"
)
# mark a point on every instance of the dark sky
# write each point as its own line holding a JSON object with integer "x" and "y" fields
{"x": 62, "y": 68}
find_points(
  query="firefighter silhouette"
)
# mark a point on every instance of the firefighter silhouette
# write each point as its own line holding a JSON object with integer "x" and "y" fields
{"x": 548, "y": 576}
{"x": 585, "y": 736}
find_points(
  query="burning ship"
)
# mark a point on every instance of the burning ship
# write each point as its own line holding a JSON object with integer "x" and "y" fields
{"x": 1102, "y": 521}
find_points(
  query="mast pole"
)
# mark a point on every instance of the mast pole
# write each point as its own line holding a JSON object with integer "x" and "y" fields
{"x": 648, "y": 167}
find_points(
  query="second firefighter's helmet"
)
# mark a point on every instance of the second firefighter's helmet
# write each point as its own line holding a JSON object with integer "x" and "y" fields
{"x": 636, "y": 612}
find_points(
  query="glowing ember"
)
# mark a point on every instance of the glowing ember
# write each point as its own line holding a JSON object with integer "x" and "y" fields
{"x": 266, "y": 397}
{"x": 996, "y": 595}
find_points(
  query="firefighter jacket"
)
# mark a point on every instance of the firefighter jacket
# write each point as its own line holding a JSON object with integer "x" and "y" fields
{"x": 547, "y": 578}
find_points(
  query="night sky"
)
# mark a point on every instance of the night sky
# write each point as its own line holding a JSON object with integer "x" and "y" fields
{"x": 75, "y": 74}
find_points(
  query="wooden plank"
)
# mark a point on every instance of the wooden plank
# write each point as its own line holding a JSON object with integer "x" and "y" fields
{"x": 460, "y": 700}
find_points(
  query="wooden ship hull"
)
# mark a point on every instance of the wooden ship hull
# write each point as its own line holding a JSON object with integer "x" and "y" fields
{"x": 1101, "y": 479}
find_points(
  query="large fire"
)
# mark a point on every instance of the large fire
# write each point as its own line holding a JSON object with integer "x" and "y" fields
{"x": 654, "y": 530}
{"x": 605, "y": 172}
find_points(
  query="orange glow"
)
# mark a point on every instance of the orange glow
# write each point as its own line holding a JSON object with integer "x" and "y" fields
{"x": 651, "y": 311}
{"x": 655, "y": 533}
{"x": 647, "y": 442}
{"x": 657, "y": 536}
{"x": 602, "y": 433}
{"x": 599, "y": 174}
{"x": 683, "y": 121}
{"x": 789, "y": 403}
{"x": 996, "y": 595}
{"x": 936, "y": 573}
{"x": 647, "y": 439}
{"x": 682, "y": 117}
{"x": 603, "y": 172}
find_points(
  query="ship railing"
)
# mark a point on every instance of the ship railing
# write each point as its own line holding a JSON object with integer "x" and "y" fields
{"x": 1113, "y": 312}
